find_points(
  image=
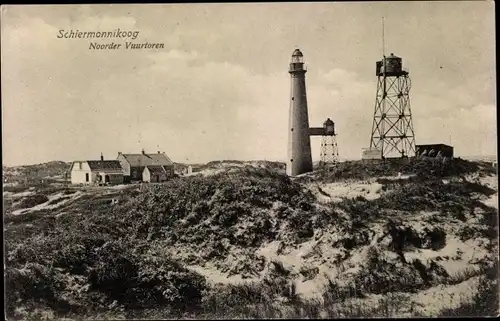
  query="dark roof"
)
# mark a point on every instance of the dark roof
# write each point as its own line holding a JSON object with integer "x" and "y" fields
{"x": 297, "y": 52}
{"x": 328, "y": 122}
{"x": 433, "y": 145}
{"x": 156, "y": 169}
{"x": 104, "y": 165}
{"x": 138, "y": 160}
{"x": 392, "y": 56}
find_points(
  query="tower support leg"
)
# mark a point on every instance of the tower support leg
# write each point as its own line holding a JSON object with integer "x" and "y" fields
{"x": 329, "y": 151}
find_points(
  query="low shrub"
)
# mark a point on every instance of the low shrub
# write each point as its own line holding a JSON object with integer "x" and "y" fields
{"x": 18, "y": 188}
{"x": 228, "y": 297}
{"x": 34, "y": 283}
{"x": 115, "y": 270}
{"x": 405, "y": 237}
{"x": 424, "y": 168}
{"x": 162, "y": 281}
{"x": 68, "y": 191}
{"x": 309, "y": 272}
{"x": 31, "y": 201}
{"x": 334, "y": 293}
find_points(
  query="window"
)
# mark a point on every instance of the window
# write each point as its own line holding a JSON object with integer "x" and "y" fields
{"x": 86, "y": 176}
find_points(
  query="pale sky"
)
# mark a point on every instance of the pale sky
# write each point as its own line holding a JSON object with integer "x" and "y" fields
{"x": 220, "y": 87}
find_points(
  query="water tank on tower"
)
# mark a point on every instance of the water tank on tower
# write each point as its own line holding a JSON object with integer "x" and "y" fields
{"x": 393, "y": 66}
{"x": 329, "y": 127}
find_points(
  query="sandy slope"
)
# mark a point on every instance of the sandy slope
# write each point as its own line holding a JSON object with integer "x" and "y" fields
{"x": 455, "y": 257}
{"x": 332, "y": 263}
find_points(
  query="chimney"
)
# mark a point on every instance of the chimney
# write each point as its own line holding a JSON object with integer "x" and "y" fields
{"x": 159, "y": 152}
{"x": 143, "y": 152}
{"x": 119, "y": 153}
{"x": 102, "y": 157}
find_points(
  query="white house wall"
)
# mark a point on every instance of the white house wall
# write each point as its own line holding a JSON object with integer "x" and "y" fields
{"x": 146, "y": 176}
{"x": 125, "y": 164}
{"x": 78, "y": 175}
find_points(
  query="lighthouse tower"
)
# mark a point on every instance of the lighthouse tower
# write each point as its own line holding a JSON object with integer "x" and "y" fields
{"x": 299, "y": 143}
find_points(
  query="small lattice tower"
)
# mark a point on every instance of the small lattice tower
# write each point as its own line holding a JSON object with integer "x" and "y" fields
{"x": 392, "y": 130}
{"x": 329, "y": 150}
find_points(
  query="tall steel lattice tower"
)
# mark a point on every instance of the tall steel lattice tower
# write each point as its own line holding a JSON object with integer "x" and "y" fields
{"x": 392, "y": 130}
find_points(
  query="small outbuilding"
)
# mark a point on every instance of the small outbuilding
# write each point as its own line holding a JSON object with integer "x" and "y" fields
{"x": 371, "y": 154}
{"x": 155, "y": 174}
{"x": 193, "y": 169}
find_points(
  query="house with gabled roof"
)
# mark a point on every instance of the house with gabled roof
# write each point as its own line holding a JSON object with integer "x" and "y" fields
{"x": 92, "y": 172}
{"x": 134, "y": 165}
{"x": 154, "y": 174}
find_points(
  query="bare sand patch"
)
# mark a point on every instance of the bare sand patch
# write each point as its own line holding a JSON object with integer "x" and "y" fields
{"x": 327, "y": 192}
{"x": 436, "y": 299}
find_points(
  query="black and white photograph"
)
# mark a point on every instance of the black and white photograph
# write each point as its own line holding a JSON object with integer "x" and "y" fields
{"x": 272, "y": 160}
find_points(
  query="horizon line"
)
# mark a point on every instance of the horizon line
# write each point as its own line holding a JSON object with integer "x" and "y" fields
{"x": 245, "y": 160}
